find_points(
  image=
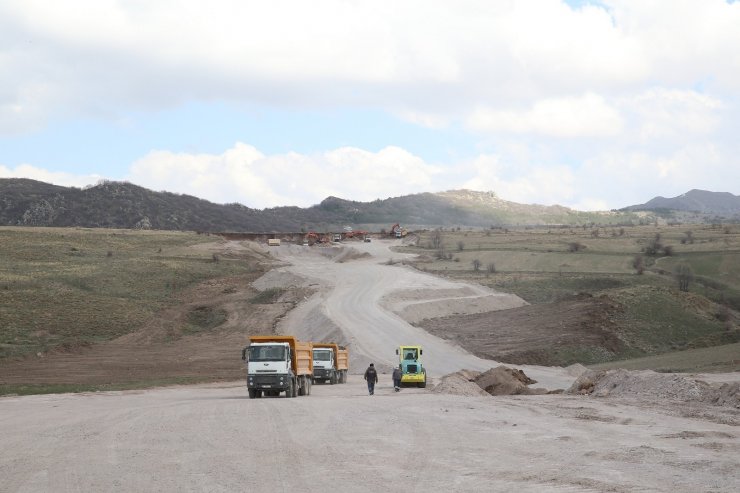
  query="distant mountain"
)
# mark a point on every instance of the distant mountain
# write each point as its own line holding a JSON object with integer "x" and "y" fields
{"x": 124, "y": 205}
{"x": 701, "y": 201}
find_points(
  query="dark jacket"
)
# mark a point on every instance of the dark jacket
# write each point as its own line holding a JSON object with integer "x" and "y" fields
{"x": 397, "y": 374}
{"x": 371, "y": 375}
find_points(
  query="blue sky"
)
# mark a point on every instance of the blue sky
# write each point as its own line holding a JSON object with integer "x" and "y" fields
{"x": 592, "y": 105}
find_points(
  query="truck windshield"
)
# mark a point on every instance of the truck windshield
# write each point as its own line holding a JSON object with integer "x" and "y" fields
{"x": 409, "y": 354}
{"x": 267, "y": 353}
{"x": 322, "y": 355}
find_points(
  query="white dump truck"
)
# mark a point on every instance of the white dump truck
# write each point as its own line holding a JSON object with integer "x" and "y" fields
{"x": 330, "y": 363}
{"x": 278, "y": 364}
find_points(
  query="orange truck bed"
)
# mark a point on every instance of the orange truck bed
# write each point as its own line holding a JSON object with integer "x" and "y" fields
{"x": 301, "y": 352}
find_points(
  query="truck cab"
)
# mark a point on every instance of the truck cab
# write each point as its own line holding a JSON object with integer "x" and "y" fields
{"x": 413, "y": 372}
{"x": 324, "y": 366}
{"x": 268, "y": 368}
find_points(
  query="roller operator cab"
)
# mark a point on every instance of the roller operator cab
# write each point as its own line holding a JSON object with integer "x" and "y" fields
{"x": 414, "y": 373}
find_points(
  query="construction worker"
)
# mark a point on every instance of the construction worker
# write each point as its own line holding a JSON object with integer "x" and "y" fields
{"x": 372, "y": 378}
{"x": 397, "y": 374}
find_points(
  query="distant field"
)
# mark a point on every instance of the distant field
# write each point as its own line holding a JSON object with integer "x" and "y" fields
{"x": 66, "y": 288}
{"x": 552, "y": 265}
{"x": 705, "y": 360}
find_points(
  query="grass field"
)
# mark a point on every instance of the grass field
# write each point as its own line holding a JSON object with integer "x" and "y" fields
{"x": 65, "y": 288}
{"x": 547, "y": 265}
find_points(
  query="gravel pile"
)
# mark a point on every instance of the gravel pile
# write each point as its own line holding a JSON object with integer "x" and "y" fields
{"x": 651, "y": 385}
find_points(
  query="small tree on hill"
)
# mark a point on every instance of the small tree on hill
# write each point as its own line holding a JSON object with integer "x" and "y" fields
{"x": 654, "y": 246}
{"x": 436, "y": 239}
{"x": 476, "y": 265}
{"x": 575, "y": 246}
{"x": 685, "y": 275}
{"x": 638, "y": 263}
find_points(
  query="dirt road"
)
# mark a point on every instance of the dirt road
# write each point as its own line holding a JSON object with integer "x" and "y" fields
{"x": 366, "y": 303}
{"x": 212, "y": 438}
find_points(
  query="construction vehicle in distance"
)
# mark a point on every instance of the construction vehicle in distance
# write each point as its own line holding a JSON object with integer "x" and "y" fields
{"x": 330, "y": 363}
{"x": 273, "y": 242}
{"x": 397, "y": 231}
{"x": 277, "y": 364}
{"x": 413, "y": 371}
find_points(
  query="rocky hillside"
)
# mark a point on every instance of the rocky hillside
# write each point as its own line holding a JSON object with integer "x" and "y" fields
{"x": 124, "y": 205}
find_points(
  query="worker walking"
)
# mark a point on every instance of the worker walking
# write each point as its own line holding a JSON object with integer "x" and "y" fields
{"x": 372, "y": 378}
{"x": 397, "y": 374}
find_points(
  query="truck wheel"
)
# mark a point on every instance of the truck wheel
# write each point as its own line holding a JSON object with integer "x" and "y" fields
{"x": 252, "y": 393}
{"x": 333, "y": 378}
{"x": 295, "y": 388}
{"x": 289, "y": 390}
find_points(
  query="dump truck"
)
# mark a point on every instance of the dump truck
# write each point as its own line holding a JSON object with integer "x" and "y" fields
{"x": 330, "y": 363}
{"x": 276, "y": 364}
{"x": 273, "y": 242}
{"x": 414, "y": 373}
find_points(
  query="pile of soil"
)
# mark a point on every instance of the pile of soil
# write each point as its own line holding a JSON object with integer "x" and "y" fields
{"x": 460, "y": 383}
{"x": 278, "y": 278}
{"x": 344, "y": 254}
{"x": 648, "y": 384}
{"x": 496, "y": 381}
{"x": 507, "y": 381}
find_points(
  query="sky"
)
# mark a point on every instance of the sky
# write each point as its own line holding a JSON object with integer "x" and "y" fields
{"x": 590, "y": 105}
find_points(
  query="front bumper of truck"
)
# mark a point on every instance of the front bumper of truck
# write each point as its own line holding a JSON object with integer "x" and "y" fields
{"x": 322, "y": 373}
{"x": 272, "y": 381}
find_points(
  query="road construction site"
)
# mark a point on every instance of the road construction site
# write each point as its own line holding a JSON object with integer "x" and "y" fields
{"x": 630, "y": 434}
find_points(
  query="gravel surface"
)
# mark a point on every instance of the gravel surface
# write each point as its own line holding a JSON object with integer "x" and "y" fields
{"x": 212, "y": 438}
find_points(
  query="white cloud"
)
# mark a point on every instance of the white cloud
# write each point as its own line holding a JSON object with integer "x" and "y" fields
{"x": 586, "y": 116}
{"x": 520, "y": 183}
{"x": 243, "y": 174}
{"x": 55, "y": 177}
{"x": 437, "y": 60}
{"x": 661, "y": 113}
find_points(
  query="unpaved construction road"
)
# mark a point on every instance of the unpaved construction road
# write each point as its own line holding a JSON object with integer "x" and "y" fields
{"x": 212, "y": 438}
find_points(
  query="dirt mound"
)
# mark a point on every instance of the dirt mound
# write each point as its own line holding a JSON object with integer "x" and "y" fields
{"x": 459, "y": 383}
{"x": 575, "y": 370}
{"x": 348, "y": 254}
{"x": 277, "y": 278}
{"x": 651, "y": 385}
{"x": 506, "y": 381}
{"x": 496, "y": 381}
